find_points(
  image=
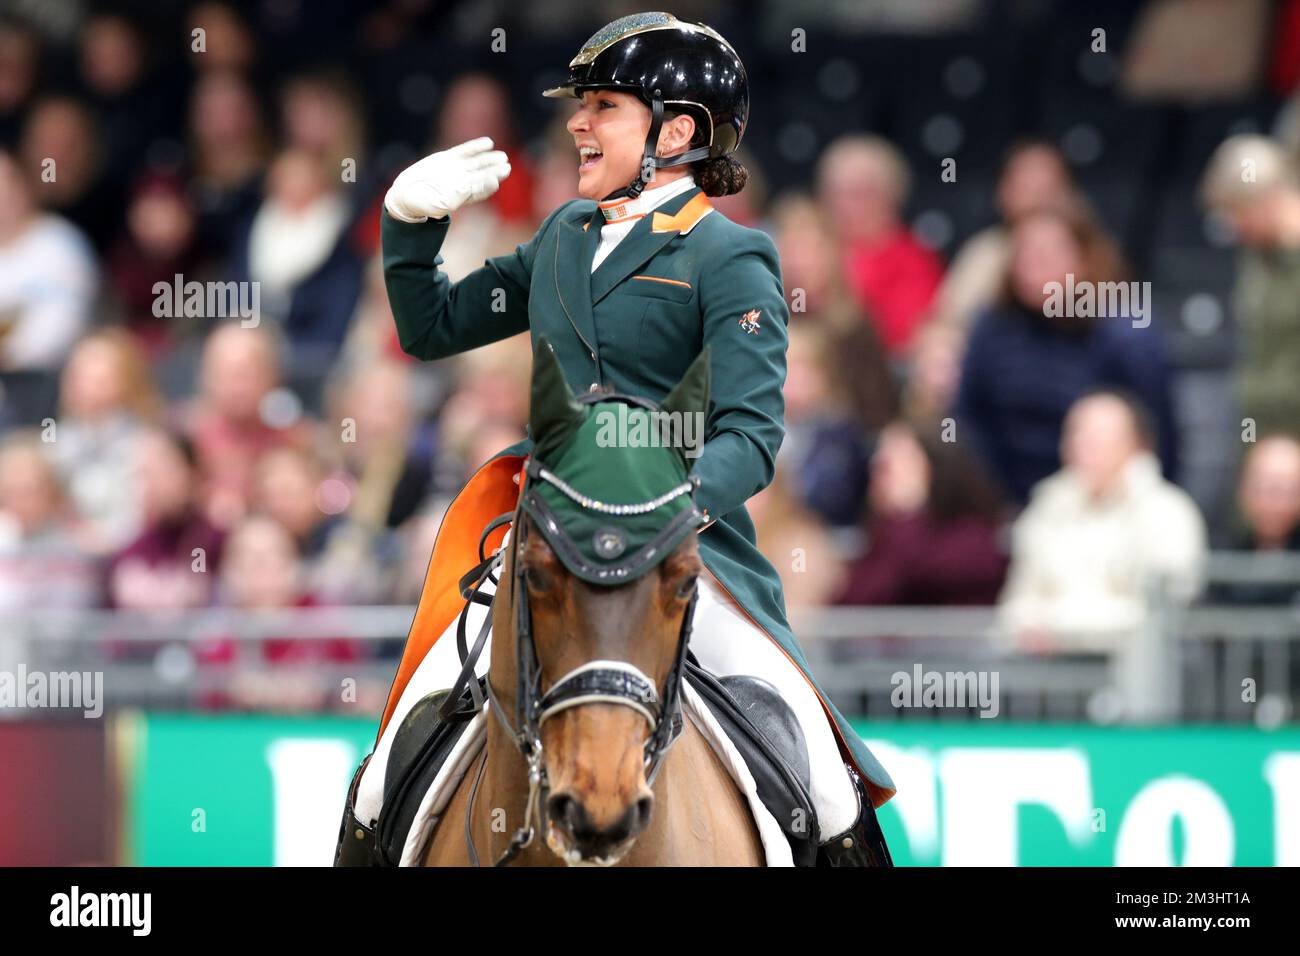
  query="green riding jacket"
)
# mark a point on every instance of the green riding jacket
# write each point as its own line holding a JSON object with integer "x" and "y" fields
{"x": 684, "y": 277}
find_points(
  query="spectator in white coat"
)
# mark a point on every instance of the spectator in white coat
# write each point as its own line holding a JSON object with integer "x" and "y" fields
{"x": 48, "y": 278}
{"x": 1097, "y": 533}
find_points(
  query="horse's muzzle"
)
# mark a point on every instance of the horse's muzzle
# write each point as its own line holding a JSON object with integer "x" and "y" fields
{"x": 580, "y": 840}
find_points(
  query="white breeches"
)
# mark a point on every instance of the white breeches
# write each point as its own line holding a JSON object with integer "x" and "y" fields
{"x": 723, "y": 639}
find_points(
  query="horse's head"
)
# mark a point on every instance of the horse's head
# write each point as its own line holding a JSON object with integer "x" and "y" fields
{"x": 601, "y": 577}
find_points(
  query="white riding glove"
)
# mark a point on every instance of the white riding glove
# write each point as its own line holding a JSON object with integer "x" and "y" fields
{"x": 441, "y": 183}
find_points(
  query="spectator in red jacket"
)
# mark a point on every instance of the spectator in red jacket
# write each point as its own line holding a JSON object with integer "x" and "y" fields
{"x": 174, "y": 561}
{"x": 478, "y": 104}
{"x": 241, "y": 411}
{"x": 262, "y": 572}
{"x": 160, "y": 241}
{"x": 933, "y": 533}
{"x": 862, "y": 182}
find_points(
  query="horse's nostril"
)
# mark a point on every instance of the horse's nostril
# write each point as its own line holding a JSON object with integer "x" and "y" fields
{"x": 644, "y": 807}
{"x": 568, "y": 813}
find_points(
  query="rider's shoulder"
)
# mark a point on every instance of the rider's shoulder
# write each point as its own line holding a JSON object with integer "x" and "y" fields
{"x": 717, "y": 229}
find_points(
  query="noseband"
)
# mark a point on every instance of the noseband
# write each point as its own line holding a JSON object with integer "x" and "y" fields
{"x": 599, "y": 681}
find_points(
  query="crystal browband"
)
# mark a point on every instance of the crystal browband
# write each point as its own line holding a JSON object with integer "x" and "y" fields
{"x": 639, "y": 508}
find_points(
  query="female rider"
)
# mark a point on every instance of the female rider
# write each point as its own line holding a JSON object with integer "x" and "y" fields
{"x": 629, "y": 284}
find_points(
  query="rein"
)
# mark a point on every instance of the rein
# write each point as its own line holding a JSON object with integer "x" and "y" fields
{"x": 598, "y": 681}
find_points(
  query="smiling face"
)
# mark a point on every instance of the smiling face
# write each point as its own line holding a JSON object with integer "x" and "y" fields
{"x": 609, "y": 130}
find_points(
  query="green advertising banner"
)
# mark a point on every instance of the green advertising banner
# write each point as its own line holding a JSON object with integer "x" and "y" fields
{"x": 239, "y": 790}
{"x": 230, "y": 790}
{"x": 997, "y": 794}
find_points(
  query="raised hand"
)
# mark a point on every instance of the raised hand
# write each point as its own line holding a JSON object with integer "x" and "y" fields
{"x": 442, "y": 182}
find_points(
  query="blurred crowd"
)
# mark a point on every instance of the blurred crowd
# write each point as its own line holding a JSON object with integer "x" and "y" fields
{"x": 951, "y": 441}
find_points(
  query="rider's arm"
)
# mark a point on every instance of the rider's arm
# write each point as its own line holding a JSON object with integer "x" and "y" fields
{"x": 436, "y": 317}
{"x": 747, "y": 415}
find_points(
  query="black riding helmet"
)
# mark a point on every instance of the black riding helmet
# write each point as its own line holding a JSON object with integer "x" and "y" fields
{"x": 667, "y": 62}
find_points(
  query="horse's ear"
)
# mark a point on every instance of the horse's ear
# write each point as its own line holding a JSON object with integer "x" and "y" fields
{"x": 690, "y": 396}
{"x": 553, "y": 414}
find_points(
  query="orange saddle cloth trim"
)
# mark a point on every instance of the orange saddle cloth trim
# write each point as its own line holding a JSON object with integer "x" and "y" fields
{"x": 493, "y": 490}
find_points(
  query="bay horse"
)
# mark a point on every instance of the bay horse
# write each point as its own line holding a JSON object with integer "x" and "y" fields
{"x": 588, "y": 758}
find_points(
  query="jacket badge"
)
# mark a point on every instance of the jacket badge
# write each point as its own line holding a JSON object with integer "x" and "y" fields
{"x": 749, "y": 321}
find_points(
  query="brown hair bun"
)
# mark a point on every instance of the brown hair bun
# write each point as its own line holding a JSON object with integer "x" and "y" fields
{"x": 721, "y": 176}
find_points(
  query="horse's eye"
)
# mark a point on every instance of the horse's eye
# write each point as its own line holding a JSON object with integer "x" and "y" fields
{"x": 537, "y": 580}
{"x": 686, "y": 588}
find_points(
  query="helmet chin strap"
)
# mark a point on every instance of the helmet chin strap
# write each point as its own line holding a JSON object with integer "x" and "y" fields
{"x": 649, "y": 161}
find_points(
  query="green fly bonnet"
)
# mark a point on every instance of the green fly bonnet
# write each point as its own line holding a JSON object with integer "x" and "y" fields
{"x": 608, "y": 482}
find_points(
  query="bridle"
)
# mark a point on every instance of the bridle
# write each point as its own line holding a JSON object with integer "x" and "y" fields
{"x": 598, "y": 681}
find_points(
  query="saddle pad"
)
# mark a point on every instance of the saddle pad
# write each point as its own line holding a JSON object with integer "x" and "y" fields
{"x": 443, "y": 788}
{"x": 776, "y": 849}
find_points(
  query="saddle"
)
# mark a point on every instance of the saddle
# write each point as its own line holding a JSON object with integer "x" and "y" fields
{"x": 760, "y": 724}
{"x": 419, "y": 750}
{"x": 766, "y": 732}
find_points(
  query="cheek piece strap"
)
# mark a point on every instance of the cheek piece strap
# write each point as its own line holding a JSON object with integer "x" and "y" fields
{"x": 649, "y": 161}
